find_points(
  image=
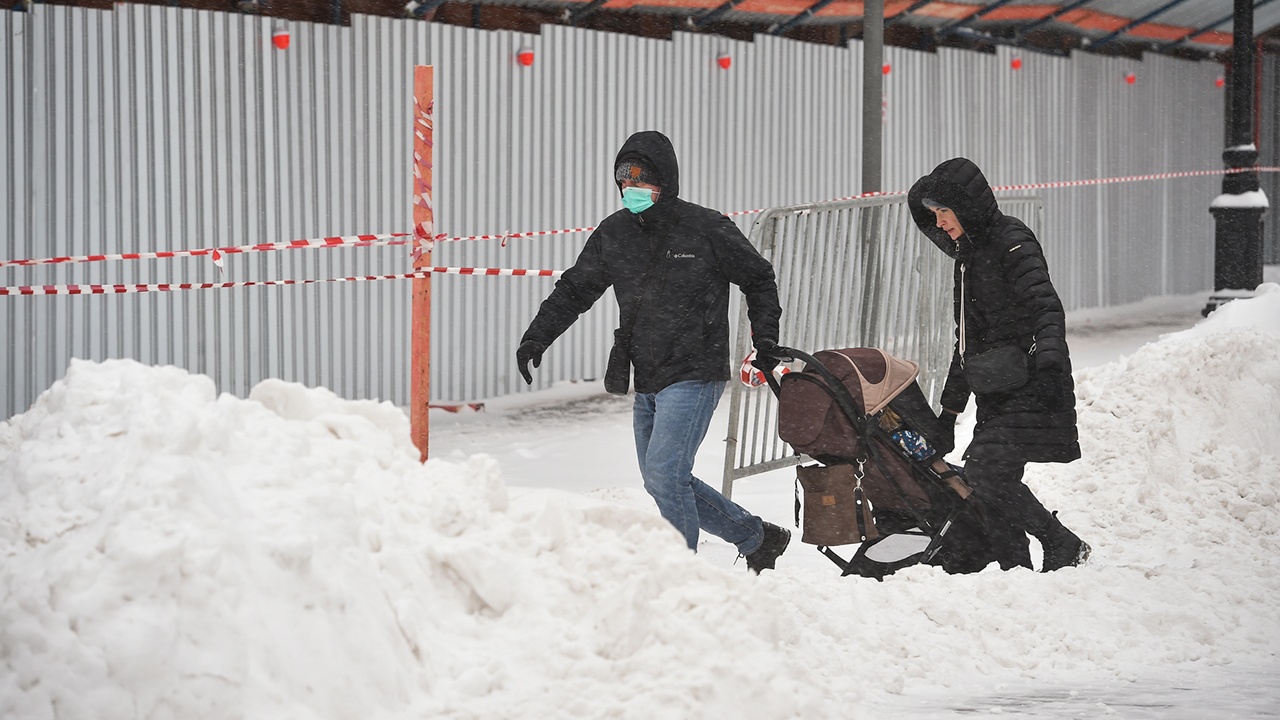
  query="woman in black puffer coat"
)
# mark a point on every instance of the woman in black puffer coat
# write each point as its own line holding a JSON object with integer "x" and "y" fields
{"x": 1003, "y": 296}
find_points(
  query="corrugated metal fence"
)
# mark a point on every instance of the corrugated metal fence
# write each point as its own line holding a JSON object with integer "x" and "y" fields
{"x": 149, "y": 128}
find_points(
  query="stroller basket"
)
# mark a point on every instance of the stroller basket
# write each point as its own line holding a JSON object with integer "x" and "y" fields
{"x": 880, "y": 481}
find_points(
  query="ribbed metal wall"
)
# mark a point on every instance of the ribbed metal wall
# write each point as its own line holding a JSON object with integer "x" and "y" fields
{"x": 149, "y": 128}
{"x": 1068, "y": 119}
{"x": 152, "y": 129}
{"x": 1269, "y": 154}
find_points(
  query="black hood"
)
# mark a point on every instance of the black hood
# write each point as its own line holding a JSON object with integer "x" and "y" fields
{"x": 654, "y": 151}
{"x": 959, "y": 185}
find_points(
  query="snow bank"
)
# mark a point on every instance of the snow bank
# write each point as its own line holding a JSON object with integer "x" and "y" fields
{"x": 1177, "y": 493}
{"x": 169, "y": 552}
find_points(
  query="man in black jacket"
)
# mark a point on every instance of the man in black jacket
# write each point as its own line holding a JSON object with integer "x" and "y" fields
{"x": 1004, "y": 300}
{"x": 670, "y": 263}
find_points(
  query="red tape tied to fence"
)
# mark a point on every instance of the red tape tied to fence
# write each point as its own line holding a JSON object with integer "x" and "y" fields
{"x": 218, "y": 254}
{"x": 119, "y": 289}
{"x": 390, "y": 239}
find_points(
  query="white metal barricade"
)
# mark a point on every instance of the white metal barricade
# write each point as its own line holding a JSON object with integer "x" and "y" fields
{"x": 855, "y": 273}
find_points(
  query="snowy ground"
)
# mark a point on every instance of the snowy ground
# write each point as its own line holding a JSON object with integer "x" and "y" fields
{"x": 579, "y": 439}
{"x": 172, "y": 552}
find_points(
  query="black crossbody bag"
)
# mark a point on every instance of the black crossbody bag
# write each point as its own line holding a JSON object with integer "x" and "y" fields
{"x": 995, "y": 371}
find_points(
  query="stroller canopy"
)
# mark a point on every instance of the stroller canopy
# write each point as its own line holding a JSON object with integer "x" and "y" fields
{"x": 881, "y": 376}
{"x": 808, "y": 418}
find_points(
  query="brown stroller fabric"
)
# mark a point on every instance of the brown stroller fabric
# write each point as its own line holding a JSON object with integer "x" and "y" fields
{"x": 840, "y": 410}
{"x": 817, "y": 426}
{"x": 812, "y": 422}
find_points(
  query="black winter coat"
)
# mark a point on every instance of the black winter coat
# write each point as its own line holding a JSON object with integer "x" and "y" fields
{"x": 682, "y": 330}
{"x": 1008, "y": 299}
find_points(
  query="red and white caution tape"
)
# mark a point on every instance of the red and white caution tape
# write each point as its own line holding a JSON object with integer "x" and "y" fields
{"x": 504, "y": 237}
{"x": 459, "y": 407}
{"x": 513, "y": 272}
{"x": 119, "y": 289}
{"x": 1058, "y": 184}
{"x": 423, "y": 239}
{"x": 218, "y": 253}
{"x": 424, "y": 131}
{"x": 876, "y": 193}
{"x": 1129, "y": 178}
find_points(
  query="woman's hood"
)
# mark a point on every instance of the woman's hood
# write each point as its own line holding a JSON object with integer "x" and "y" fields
{"x": 653, "y": 150}
{"x": 960, "y": 185}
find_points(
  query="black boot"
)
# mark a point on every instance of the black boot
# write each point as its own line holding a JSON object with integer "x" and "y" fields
{"x": 1062, "y": 548}
{"x": 774, "y": 544}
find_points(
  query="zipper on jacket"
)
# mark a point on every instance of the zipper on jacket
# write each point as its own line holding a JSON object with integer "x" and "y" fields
{"x": 961, "y": 315}
{"x": 1031, "y": 351}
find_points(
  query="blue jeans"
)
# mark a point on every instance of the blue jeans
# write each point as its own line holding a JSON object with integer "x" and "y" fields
{"x": 669, "y": 426}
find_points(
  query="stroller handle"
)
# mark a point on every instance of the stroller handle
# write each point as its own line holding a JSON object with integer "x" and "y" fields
{"x": 787, "y": 354}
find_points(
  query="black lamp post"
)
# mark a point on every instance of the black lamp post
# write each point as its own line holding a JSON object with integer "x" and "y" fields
{"x": 1237, "y": 212}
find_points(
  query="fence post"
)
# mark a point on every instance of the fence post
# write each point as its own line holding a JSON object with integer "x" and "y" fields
{"x": 424, "y": 232}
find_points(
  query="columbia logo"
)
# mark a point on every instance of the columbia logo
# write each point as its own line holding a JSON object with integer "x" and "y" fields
{"x": 680, "y": 256}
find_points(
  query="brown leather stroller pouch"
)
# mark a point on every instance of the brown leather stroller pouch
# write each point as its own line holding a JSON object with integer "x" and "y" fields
{"x": 836, "y": 509}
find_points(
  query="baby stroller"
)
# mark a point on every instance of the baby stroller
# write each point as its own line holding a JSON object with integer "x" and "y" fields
{"x": 880, "y": 481}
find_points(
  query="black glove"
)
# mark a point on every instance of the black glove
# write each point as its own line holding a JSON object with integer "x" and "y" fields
{"x": 1050, "y": 362}
{"x": 946, "y": 440}
{"x": 767, "y": 357}
{"x": 1051, "y": 366}
{"x": 529, "y": 351}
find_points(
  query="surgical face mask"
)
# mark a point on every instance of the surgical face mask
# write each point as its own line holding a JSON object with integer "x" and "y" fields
{"x": 636, "y": 199}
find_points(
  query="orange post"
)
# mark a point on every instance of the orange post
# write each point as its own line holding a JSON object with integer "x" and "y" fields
{"x": 424, "y": 234}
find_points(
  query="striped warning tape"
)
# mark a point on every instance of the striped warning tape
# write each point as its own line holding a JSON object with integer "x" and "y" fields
{"x": 118, "y": 289}
{"x": 1129, "y": 178}
{"x": 889, "y": 193}
{"x": 217, "y": 254}
{"x": 1058, "y": 184}
{"x": 532, "y": 233}
{"x": 390, "y": 239}
{"x": 459, "y": 407}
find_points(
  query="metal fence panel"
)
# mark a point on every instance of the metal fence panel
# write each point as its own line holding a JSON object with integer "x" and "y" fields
{"x": 148, "y": 128}
{"x": 854, "y": 273}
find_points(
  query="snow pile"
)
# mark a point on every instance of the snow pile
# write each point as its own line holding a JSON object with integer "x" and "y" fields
{"x": 169, "y": 552}
{"x": 1177, "y": 493}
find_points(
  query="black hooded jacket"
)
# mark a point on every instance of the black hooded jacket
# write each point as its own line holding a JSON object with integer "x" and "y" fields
{"x": 682, "y": 329}
{"x": 1009, "y": 299}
